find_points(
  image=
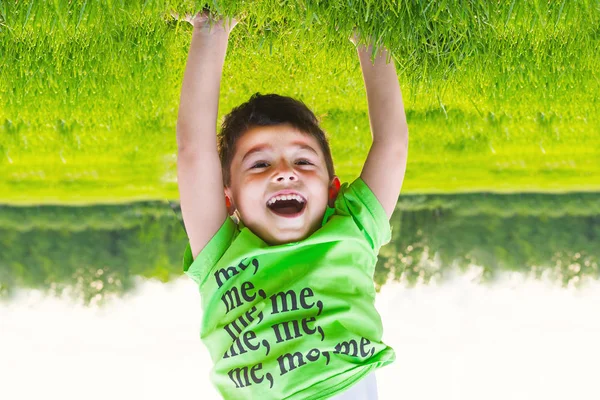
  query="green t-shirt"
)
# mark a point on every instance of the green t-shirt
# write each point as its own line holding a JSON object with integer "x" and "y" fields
{"x": 297, "y": 320}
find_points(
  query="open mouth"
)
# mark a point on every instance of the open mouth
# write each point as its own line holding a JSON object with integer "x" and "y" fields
{"x": 287, "y": 208}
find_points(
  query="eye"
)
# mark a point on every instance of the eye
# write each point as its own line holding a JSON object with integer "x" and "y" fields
{"x": 258, "y": 164}
{"x": 305, "y": 161}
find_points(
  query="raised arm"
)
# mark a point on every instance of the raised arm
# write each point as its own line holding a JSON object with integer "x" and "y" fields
{"x": 199, "y": 173}
{"x": 385, "y": 166}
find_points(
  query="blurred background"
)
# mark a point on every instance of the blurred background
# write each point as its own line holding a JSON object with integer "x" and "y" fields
{"x": 489, "y": 286}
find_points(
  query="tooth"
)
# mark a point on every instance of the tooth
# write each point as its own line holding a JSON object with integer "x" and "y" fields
{"x": 286, "y": 197}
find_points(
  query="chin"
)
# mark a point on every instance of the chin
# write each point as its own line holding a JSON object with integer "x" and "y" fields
{"x": 289, "y": 239}
{"x": 288, "y": 234}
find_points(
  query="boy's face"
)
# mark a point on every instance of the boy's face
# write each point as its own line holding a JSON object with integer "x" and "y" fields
{"x": 271, "y": 159}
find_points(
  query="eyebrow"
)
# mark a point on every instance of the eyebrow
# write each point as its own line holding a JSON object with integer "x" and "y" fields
{"x": 262, "y": 147}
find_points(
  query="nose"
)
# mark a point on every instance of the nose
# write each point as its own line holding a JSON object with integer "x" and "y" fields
{"x": 284, "y": 172}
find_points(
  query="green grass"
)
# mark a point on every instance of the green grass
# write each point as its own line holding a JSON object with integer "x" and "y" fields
{"x": 499, "y": 97}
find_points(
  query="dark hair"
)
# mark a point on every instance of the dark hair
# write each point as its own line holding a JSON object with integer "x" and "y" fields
{"x": 268, "y": 110}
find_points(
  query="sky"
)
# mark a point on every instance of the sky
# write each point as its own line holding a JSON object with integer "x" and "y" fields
{"x": 517, "y": 338}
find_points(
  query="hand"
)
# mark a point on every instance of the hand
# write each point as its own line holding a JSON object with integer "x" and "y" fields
{"x": 207, "y": 25}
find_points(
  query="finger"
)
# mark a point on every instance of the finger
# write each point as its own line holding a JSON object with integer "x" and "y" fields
{"x": 354, "y": 36}
{"x": 189, "y": 18}
{"x": 204, "y": 14}
{"x": 228, "y": 23}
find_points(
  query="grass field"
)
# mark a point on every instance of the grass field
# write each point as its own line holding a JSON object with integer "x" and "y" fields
{"x": 500, "y": 96}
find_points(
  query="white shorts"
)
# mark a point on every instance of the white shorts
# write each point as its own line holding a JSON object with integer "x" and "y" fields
{"x": 365, "y": 389}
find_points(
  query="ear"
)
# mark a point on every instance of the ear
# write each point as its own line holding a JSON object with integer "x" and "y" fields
{"x": 334, "y": 189}
{"x": 229, "y": 205}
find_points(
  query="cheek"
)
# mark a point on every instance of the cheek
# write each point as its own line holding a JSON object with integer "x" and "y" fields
{"x": 250, "y": 195}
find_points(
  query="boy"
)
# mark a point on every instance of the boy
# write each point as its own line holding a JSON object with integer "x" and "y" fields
{"x": 287, "y": 289}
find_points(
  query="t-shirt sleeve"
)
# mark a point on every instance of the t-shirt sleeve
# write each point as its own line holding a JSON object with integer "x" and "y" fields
{"x": 360, "y": 202}
{"x": 198, "y": 268}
